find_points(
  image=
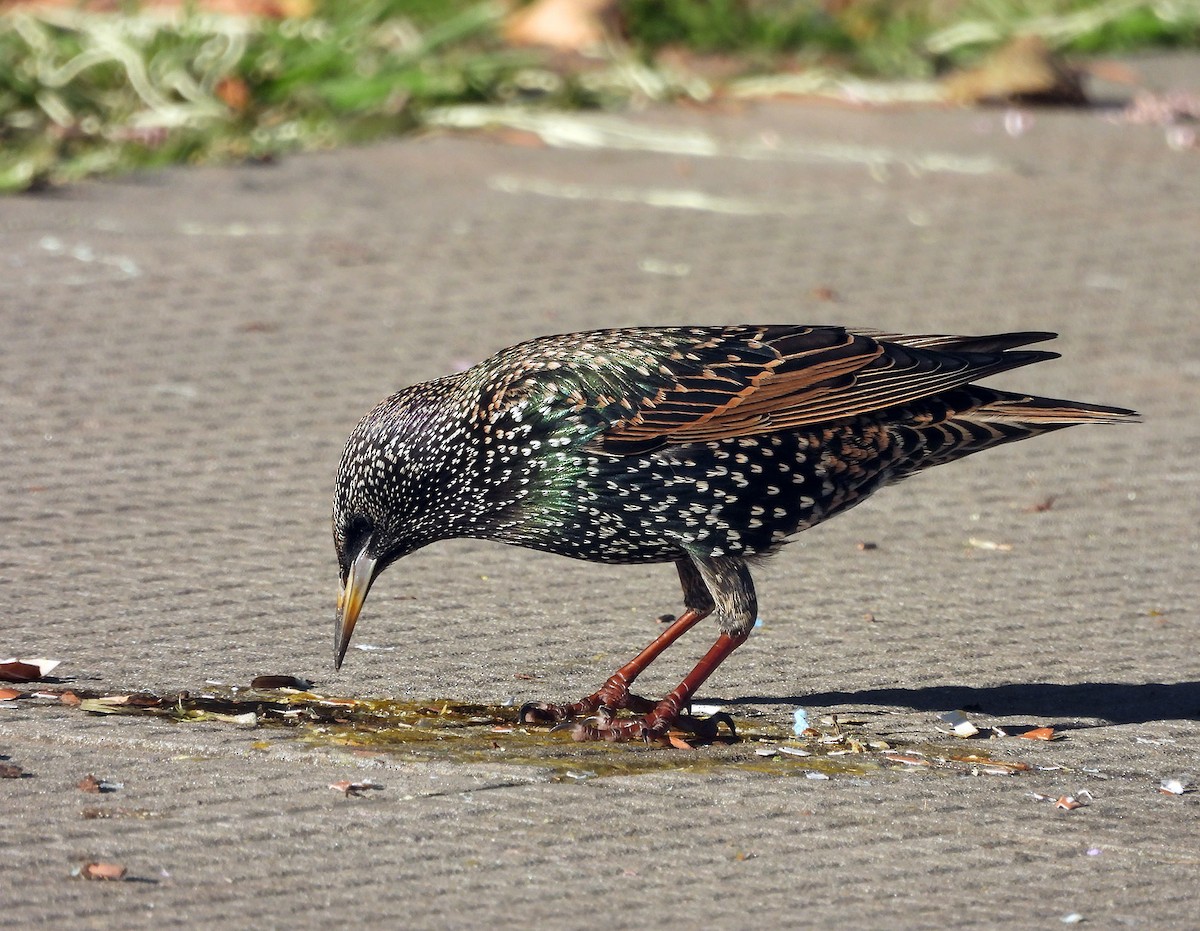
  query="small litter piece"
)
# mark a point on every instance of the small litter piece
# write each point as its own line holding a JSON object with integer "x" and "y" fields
{"x": 907, "y": 759}
{"x": 988, "y": 545}
{"x": 1064, "y": 802}
{"x": 267, "y": 683}
{"x": 1040, "y": 733}
{"x": 103, "y": 871}
{"x": 90, "y": 783}
{"x": 794, "y": 751}
{"x": 766, "y": 751}
{"x": 799, "y": 721}
{"x": 11, "y": 771}
{"x": 959, "y": 724}
{"x": 1177, "y": 786}
{"x": 1072, "y": 919}
{"x": 26, "y": 670}
{"x": 9, "y": 694}
{"x": 821, "y": 776}
{"x": 354, "y": 789}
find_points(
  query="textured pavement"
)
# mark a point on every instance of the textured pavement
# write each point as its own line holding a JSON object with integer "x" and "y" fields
{"x": 182, "y": 355}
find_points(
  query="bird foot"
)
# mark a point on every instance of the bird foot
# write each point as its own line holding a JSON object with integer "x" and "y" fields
{"x": 612, "y": 697}
{"x": 549, "y": 713}
{"x": 658, "y": 726}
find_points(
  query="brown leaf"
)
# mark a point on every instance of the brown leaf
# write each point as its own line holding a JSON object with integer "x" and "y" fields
{"x": 1044, "y": 505}
{"x": 1068, "y": 803}
{"x": 678, "y": 741}
{"x": 9, "y": 694}
{"x": 69, "y": 698}
{"x": 89, "y": 783}
{"x": 1039, "y": 733}
{"x": 106, "y": 871}
{"x": 11, "y": 771}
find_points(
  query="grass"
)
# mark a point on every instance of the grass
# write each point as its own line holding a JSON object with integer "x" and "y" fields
{"x": 84, "y": 94}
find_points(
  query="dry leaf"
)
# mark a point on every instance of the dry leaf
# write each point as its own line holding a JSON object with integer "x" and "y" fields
{"x": 1039, "y": 733}
{"x": 11, "y": 771}
{"x": 678, "y": 741}
{"x": 106, "y": 871}
{"x": 9, "y": 694}
{"x": 69, "y": 698}
{"x": 89, "y": 783}
{"x": 1068, "y": 803}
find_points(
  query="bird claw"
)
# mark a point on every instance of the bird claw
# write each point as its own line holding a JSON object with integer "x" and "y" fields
{"x": 608, "y": 700}
{"x": 651, "y": 728}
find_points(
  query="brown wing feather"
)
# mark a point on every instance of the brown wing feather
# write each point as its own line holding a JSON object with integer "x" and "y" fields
{"x": 743, "y": 381}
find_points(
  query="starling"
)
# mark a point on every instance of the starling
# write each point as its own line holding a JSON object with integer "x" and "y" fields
{"x": 708, "y": 447}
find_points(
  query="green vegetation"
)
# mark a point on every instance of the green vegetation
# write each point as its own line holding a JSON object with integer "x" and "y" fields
{"x": 83, "y": 93}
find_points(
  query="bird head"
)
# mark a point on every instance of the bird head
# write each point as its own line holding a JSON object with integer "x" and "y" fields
{"x": 394, "y": 494}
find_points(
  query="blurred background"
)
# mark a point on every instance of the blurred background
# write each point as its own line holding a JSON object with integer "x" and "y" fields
{"x": 91, "y": 88}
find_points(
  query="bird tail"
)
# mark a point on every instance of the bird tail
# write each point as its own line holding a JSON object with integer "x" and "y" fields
{"x": 969, "y": 419}
{"x": 1035, "y": 412}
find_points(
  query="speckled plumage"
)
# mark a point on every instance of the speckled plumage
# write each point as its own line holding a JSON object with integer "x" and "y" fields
{"x": 703, "y": 446}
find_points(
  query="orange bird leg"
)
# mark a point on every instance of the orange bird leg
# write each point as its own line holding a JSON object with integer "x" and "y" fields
{"x": 659, "y": 719}
{"x": 614, "y": 694}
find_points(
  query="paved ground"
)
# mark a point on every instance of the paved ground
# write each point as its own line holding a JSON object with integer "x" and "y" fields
{"x": 184, "y": 353}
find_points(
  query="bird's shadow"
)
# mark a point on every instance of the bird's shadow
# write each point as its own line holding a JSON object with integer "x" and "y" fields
{"x": 1115, "y": 702}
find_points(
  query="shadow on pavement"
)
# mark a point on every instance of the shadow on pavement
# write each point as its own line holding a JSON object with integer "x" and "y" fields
{"x": 1116, "y": 702}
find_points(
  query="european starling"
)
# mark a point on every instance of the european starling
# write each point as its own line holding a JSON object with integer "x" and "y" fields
{"x": 708, "y": 447}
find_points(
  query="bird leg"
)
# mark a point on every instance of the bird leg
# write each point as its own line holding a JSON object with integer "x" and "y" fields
{"x": 614, "y": 695}
{"x": 666, "y": 713}
{"x": 724, "y": 583}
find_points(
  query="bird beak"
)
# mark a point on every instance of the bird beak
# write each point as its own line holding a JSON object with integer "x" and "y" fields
{"x": 350, "y": 601}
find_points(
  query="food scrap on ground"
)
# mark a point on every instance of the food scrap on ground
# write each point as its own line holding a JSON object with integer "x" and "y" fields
{"x": 355, "y": 789}
{"x": 90, "y": 783}
{"x": 102, "y": 871}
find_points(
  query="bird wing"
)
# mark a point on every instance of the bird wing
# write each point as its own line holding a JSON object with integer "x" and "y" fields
{"x": 741, "y": 381}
